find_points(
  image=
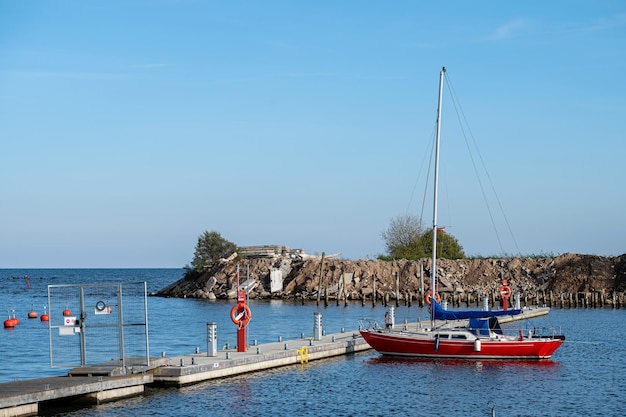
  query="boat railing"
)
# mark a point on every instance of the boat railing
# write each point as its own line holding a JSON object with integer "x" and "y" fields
{"x": 547, "y": 332}
{"x": 372, "y": 324}
{"x": 552, "y": 332}
{"x": 366, "y": 324}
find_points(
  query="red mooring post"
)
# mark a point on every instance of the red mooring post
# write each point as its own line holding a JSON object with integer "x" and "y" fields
{"x": 240, "y": 314}
{"x": 505, "y": 293}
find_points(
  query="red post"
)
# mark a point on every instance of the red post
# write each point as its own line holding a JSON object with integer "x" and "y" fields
{"x": 240, "y": 314}
{"x": 505, "y": 293}
{"x": 242, "y": 339}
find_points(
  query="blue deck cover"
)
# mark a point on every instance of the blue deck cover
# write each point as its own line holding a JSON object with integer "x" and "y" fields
{"x": 485, "y": 325}
{"x": 441, "y": 314}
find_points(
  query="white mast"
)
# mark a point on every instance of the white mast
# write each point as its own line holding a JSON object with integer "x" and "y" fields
{"x": 433, "y": 275}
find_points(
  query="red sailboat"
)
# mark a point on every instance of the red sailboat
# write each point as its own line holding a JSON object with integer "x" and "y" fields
{"x": 460, "y": 334}
{"x": 475, "y": 338}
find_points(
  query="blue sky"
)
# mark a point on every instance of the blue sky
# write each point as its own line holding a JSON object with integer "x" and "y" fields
{"x": 130, "y": 127}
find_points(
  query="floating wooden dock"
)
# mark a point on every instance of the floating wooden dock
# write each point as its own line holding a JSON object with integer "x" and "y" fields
{"x": 107, "y": 382}
{"x": 194, "y": 368}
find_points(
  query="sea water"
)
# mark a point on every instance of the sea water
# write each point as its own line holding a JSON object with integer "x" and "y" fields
{"x": 586, "y": 376}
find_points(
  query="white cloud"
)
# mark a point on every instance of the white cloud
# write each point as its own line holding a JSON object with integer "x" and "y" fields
{"x": 508, "y": 30}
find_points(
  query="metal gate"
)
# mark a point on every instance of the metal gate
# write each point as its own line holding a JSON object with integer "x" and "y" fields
{"x": 98, "y": 324}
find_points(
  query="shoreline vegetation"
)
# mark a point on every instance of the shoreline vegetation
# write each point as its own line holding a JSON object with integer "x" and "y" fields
{"x": 568, "y": 280}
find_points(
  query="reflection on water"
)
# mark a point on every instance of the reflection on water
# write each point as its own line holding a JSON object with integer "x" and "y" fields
{"x": 472, "y": 363}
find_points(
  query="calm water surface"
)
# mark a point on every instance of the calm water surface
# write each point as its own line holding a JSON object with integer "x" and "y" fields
{"x": 587, "y": 375}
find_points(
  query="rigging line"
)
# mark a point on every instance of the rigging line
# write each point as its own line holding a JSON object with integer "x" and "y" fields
{"x": 445, "y": 178}
{"x": 430, "y": 162}
{"x": 462, "y": 127}
{"x": 419, "y": 174}
{"x": 493, "y": 188}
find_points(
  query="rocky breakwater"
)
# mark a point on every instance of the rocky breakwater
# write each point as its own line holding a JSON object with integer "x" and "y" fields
{"x": 568, "y": 280}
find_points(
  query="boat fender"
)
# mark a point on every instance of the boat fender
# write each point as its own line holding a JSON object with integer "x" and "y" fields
{"x": 477, "y": 345}
{"x": 436, "y": 342}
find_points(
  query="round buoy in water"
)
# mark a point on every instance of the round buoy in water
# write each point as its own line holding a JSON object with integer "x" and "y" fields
{"x": 67, "y": 312}
{"x": 16, "y": 321}
{"x": 9, "y": 324}
{"x": 45, "y": 317}
{"x": 32, "y": 314}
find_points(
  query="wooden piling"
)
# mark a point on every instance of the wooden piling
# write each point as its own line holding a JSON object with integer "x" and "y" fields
{"x": 550, "y": 300}
{"x": 319, "y": 283}
{"x": 570, "y": 300}
{"x": 374, "y": 292}
{"x": 397, "y": 289}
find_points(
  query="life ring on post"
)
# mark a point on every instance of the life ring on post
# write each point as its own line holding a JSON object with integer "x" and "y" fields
{"x": 429, "y": 295}
{"x": 505, "y": 291}
{"x": 247, "y": 315}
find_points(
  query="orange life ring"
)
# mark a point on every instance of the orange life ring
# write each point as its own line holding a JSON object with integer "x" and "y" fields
{"x": 428, "y": 296}
{"x": 505, "y": 291}
{"x": 246, "y": 317}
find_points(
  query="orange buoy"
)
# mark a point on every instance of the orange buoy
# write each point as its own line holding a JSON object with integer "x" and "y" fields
{"x": 9, "y": 323}
{"x": 67, "y": 312}
{"x": 32, "y": 314}
{"x": 15, "y": 320}
{"x": 45, "y": 316}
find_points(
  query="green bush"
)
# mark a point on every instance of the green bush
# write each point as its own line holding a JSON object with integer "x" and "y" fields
{"x": 211, "y": 246}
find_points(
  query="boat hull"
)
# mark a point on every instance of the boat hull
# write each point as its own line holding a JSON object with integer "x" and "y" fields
{"x": 429, "y": 345}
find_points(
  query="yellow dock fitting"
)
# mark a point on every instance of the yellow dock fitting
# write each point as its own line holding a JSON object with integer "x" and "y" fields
{"x": 303, "y": 354}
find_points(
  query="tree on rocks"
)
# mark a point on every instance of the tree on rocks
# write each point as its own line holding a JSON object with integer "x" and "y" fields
{"x": 407, "y": 238}
{"x": 211, "y": 247}
{"x": 448, "y": 246}
{"x": 402, "y": 238}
